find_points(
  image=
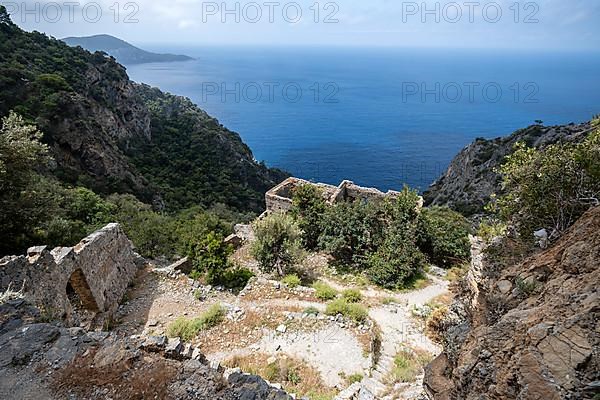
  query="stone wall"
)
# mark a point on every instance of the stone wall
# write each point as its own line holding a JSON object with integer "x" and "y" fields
{"x": 91, "y": 277}
{"x": 280, "y": 197}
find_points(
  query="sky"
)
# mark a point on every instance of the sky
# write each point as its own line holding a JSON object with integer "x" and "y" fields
{"x": 500, "y": 24}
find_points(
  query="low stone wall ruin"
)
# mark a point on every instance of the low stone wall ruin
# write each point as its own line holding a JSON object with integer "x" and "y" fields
{"x": 280, "y": 197}
{"x": 92, "y": 276}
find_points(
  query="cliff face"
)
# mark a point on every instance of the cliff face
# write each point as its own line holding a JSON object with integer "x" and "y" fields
{"x": 112, "y": 135}
{"x": 92, "y": 129}
{"x": 470, "y": 179}
{"x": 526, "y": 330}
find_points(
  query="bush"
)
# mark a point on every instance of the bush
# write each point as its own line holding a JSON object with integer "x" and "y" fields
{"x": 277, "y": 245}
{"x": 231, "y": 278}
{"x": 311, "y": 310}
{"x": 397, "y": 262}
{"x": 490, "y": 229}
{"x": 324, "y": 291}
{"x": 550, "y": 188}
{"x": 355, "y": 378}
{"x": 408, "y": 364}
{"x": 377, "y": 237}
{"x": 187, "y": 329}
{"x": 443, "y": 235}
{"x": 355, "y": 312}
{"x": 291, "y": 281}
{"x": 352, "y": 295}
{"x": 351, "y": 231}
{"x": 308, "y": 207}
{"x": 210, "y": 254}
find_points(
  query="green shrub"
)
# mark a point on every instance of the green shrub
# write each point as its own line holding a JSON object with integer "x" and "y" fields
{"x": 187, "y": 329}
{"x": 354, "y": 378}
{"x": 182, "y": 328}
{"x": 443, "y": 235}
{"x": 549, "y": 188}
{"x": 311, "y": 310}
{"x": 351, "y": 231}
{"x": 526, "y": 287}
{"x": 356, "y": 312}
{"x": 308, "y": 207}
{"x": 291, "y": 281}
{"x": 278, "y": 243}
{"x": 397, "y": 263}
{"x": 324, "y": 291}
{"x": 377, "y": 237}
{"x": 234, "y": 278}
{"x": 210, "y": 253}
{"x": 490, "y": 229}
{"x": 352, "y": 295}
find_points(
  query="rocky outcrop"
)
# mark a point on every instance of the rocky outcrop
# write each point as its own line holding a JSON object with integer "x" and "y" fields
{"x": 70, "y": 283}
{"x": 525, "y": 330}
{"x": 47, "y": 361}
{"x": 112, "y": 135}
{"x": 471, "y": 177}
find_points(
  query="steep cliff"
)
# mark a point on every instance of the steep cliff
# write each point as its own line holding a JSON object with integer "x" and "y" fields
{"x": 528, "y": 329}
{"x": 112, "y": 135}
{"x": 470, "y": 179}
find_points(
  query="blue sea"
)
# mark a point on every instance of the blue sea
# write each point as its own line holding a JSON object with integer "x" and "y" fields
{"x": 381, "y": 117}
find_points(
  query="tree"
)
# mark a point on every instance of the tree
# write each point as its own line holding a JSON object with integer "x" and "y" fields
{"x": 278, "y": 243}
{"x": 397, "y": 261}
{"x": 21, "y": 152}
{"x": 308, "y": 208}
{"x": 550, "y": 188}
{"x": 23, "y": 201}
{"x": 352, "y": 230}
{"x": 443, "y": 235}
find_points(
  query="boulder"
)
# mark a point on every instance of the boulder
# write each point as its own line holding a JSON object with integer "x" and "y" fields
{"x": 184, "y": 266}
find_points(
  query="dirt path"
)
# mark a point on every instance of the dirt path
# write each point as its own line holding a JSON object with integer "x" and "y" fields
{"x": 334, "y": 349}
{"x": 399, "y": 328}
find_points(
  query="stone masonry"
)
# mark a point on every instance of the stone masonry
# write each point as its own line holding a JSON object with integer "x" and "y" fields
{"x": 280, "y": 197}
{"x": 91, "y": 277}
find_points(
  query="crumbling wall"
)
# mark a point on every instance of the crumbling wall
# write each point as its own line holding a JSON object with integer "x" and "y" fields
{"x": 94, "y": 274}
{"x": 280, "y": 197}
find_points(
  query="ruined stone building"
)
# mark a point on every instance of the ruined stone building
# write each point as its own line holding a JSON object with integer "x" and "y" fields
{"x": 85, "y": 282}
{"x": 280, "y": 197}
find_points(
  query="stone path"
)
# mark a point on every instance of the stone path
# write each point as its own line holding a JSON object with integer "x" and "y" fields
{"x": 330, "y": 351}
{"x": 399, "y": 328}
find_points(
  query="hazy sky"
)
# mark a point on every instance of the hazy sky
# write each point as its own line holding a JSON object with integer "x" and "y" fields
{"x": 546, "y": 24}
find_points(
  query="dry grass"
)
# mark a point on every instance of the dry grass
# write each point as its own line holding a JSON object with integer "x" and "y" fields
{"x": 293, "y": 374}
{"x": 148, "y": 379}
{"x": 409, "y": 363}
{"x": 268, "y": 292}
{"x": 239, "y": 334}
{"x": 9, "y": 294}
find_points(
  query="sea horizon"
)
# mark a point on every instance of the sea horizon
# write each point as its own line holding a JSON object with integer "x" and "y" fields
{"x": 381, "y": 117}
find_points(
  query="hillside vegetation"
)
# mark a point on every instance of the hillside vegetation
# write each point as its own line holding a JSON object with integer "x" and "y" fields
{"x": 82, "y": 145}
{"x": 111, "y": 135}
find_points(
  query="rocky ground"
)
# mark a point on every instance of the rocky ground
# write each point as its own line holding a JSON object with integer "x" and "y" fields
{"x": 268, "y": 319}
{"x": 525, "y": 329}
{"x": 44, "y": 361}
{"x": 266, "y": 323}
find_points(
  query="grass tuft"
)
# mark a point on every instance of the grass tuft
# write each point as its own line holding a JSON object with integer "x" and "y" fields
{"x": 187, "y": 329}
